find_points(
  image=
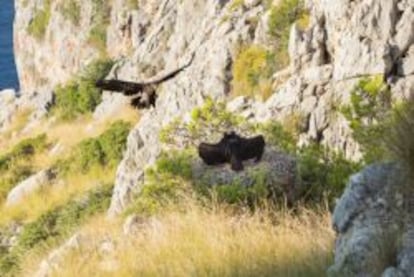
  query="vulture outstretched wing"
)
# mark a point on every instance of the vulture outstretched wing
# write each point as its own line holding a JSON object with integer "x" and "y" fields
{"x": 132, "y": 88}
{"x": 127, "y": 88}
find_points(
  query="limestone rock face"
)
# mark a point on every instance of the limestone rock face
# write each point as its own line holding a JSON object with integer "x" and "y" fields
{"x": 213, "y": 41}
{"x": 374, "y": 229}
{"x": 60, "y": 53}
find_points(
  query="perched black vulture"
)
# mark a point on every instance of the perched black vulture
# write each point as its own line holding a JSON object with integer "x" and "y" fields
{"x": 234, "y": 149}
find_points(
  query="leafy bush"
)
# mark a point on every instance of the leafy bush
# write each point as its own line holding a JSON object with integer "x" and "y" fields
{"x": 399, "y": 141}
{"x": 235, "y": 4}
{"x": 71, "y": 11}
{"x": 282, "y": 16}
{"x": 207, "y": 122}
{"x": 132, "y": 4}
{"x": 113, "y": 142}
{"x": 276, "y": 135}
{"x": 324, "y": 173}
{"x": 105, "y": 150}
{"x": 16, "y": 165}
{"x": 238, "y": 194}
{"x": 97, "y": 34}
{"x": 252, "y": 72}
{"x": 55, "y": 224}
{"x": 37, "y": 27}
{"x": 368, "y": 115}
{"x": 23, "y": 150}
{"x": 81, "y": 96}
{"x": 89, "y": 153}
{"x": 97, "y": 37}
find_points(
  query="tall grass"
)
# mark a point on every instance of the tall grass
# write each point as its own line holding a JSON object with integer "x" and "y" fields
{"x": 212, "y": 241}
{"x": 49, "y": 198}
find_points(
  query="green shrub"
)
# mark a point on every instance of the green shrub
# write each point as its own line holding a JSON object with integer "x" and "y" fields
{"x": 38, "y": 25}
{"x": 113, "y": 142}
{"x": 101, "y": 15}
{"x": 132, "y": 4}
{"x": 97, "y": 37}
{"x": 368, "y": 115}
{"x": 282, "y": 16}
{"x": 23, "y": 151}
{"x": 89, "y": 153}
{"x": 252, "y": 72}
{"x": 165, "y": 183}
{"x": 81, "y": 96}
{"x": 105, "y": 150}
{"x": 207, "y": 122}
{"x": 276, "y": 135}
{"x": 71, "y": 11}
{"x": 235, "y": 4}
{"x": 323, "y": 173}
{"x": 55, "y": 224}
{"x": 238, "y": 194}
{"x": 15, "y": 166}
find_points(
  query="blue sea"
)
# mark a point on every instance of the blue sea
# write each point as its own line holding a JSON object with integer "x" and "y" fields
{"x": 8, "y": 75}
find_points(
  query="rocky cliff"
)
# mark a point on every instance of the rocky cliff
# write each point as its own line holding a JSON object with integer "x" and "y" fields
{"x": 341, "y": 42}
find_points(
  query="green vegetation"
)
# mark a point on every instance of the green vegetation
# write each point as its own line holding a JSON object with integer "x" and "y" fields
{"x": 101, "y": 16}
{"x": 55, "y": 224}
{"x": 80, "y": 96}
{"x": 238, "y": 194}
{"x": 37, "y": 27}
{"x": 368, "y": 114}
{"x": 104, "y": 151}
{"x": 165, "y": 183}
{"x": 252, "y": 72}
{"x": 235, "y": 4}
{"x": 71, "y": 11}
{"x": 16, "y": 165}
{"x": 132, "y": 4}
{"x": 207, "y": 121}
{"x": 323, "y": 172}
{"x": 282, "y": 16}
{"x": 399, "y": 139}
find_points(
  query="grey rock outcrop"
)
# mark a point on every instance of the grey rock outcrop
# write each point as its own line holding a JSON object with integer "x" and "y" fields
{"x": 62, "y": 52}
{"x": 29, "y": 186}
{"x": 374, "y": 224}
{"x": 276, "y": 170}
{"x": 56, "y": 258}
{"x": 8, "y": 107}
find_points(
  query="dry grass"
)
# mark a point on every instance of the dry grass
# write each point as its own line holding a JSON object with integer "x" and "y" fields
{"x": 210, "y": 242}
{"x": 49, "y": 198}
{"x": 67, "y": 134}
{"x": 17, "y": 124}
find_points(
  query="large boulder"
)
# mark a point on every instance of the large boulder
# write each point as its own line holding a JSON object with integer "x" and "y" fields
{"x": 29, "y": 186}
{"x": 276, "y": 170}
{"x": 375, "y": 224}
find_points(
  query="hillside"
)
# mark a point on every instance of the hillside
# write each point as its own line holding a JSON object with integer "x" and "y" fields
{"x": 92, "y": 186}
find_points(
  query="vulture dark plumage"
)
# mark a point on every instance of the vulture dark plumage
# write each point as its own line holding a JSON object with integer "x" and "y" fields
{"x": 232, "y": 149}
{"x": 143, "y": 94}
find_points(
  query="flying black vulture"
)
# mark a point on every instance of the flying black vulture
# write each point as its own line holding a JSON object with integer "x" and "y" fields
{"x": 143, "y": 94}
